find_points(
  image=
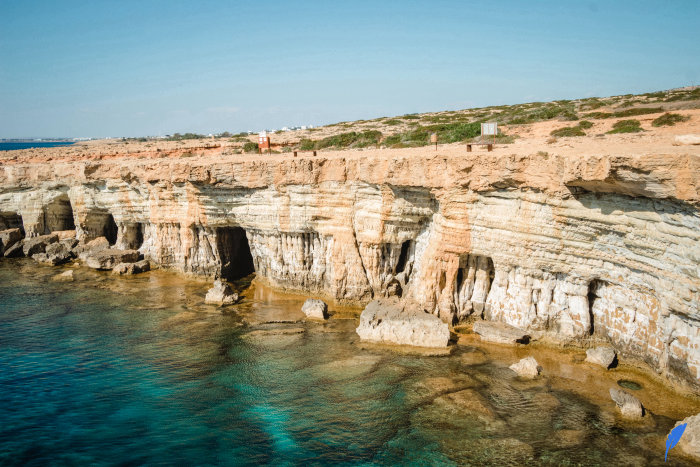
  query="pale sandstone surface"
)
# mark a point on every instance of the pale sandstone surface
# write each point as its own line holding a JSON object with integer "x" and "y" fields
{"x": 390, "y": 321}
{"x": 590, "y": 234}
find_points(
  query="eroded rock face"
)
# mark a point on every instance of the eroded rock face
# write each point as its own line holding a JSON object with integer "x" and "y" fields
{"x": 221, "y": 294}
{"x": 629, "y": 406}
{"x": 603, "y": 356}
{"x": 559, "y": 245}
{"x": 316, "y": 309}
{"x": 109, "y": 258}
{"x": 397, "y": 323}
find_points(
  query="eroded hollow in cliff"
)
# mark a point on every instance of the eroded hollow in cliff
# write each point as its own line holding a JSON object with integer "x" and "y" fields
{"x": 11, "y": 220}
{"x": 58, "y": 215}
{"x": 234, "y": 253}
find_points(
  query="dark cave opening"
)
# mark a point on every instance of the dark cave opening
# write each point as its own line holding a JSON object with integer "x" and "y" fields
{"x": 58, "y": 215}
{"x": 401, "y": 264}
{"x": 11, "y": 220}
{"x": 110, "y": 229}
{"x": 234, "y": 252}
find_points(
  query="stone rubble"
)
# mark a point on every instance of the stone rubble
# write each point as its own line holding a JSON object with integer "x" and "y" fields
{"x": 316, "y": 309}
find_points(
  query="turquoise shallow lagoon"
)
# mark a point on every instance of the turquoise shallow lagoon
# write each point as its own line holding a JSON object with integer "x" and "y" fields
{"x": 137, "y": 370}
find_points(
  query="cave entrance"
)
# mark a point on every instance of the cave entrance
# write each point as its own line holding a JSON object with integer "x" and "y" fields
{"x": 110, "y": 230}
{"x": 234, "y": 253}
{"x": 11, "y": 220}
{"x": 58, "y": 215}
{"x": 403, "y": 257}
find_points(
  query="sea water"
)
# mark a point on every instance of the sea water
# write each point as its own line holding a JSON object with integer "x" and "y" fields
{"x": 15, "y": 145}
{"x": 138, "y": 370}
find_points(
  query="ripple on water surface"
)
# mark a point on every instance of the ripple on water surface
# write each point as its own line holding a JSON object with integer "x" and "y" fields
{"x": 110, "y": 370}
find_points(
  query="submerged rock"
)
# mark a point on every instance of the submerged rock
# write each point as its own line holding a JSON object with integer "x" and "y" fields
{"x": 389, "y": 321}
{"x": 107, "y": 259}
{"x": 629, "y": 406}
{"x": 8, "y": 238}
{"x": 221, "y": 294}
{"x": 132, "y": 268}
{"x": 66, "y": 276}
{"x": 314, "y": 308}
{"x": 526, "y": 368}
{"x": 36, "y": 245}
{"x": 690, "y": 439}
{"x": 603, "y": 356}
{"x": 501, "y": 333}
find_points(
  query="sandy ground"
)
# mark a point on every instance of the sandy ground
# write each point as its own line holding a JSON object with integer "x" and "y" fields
{"x": 530, "y": 139}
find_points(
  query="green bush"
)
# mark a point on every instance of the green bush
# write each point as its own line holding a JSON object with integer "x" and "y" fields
{"x": 626, "y": 126}
{"x": 585, "y": 124}
{"x": 250, "y": 147}
{"x": 392, "y": 121}
{"x": 669, "y": 119}
{"x": 568, "y": 131}
{"x": 352, "y": 139}
{"x": 638, "y": 111}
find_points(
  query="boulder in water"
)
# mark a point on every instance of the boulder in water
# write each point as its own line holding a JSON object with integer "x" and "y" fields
{"x": 66, "y": 276}
{"x": 603, "y": 356}
{"x": 689, "y": 442}
{"x": 132, "y": 268}
{"x": 501, "y": 333}
{"x": 314, "y": 308}
{"x": 221, "y": 294}
{"x": 629, "y": 406}
{"x": 107, "y": 259}
{"x": 392, "y": 322}
{"x": 526, "y": 368}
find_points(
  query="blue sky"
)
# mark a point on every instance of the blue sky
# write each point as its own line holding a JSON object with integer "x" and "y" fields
{"x": 98, "y": 68}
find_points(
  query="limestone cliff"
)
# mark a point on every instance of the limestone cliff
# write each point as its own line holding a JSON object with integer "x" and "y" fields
{"x": 596, "y": 245}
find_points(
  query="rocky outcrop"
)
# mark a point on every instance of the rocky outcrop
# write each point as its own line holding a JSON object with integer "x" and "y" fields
{"x": 314, "y": 308}
{"x": 397, "y": 323}
{"x": 66, "y": 276}
{"x": 629, "y": 406}
{"x": 109, "y": 258}
{"x": 221, "y": 294}
{"x": 32, "y": 246}
{"x": 526, "y": 368}
{"x": 603, "y": 356}
{"x": 597, "y": 245}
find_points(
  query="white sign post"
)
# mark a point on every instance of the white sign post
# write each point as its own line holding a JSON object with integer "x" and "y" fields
{"x": 489, "y": 129}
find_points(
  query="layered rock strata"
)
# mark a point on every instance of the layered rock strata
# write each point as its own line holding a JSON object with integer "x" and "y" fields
{"x": 596, "y": 246}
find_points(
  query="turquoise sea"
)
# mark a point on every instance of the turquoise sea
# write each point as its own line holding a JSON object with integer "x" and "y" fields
{"x": 139, "y": 371}
{"x": 12, "y": 146}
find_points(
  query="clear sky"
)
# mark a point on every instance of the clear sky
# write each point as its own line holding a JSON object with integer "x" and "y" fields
{"x": 131, "y": 68}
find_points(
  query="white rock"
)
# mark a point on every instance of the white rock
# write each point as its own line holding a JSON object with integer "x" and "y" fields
{"x": 396, "y": 323}
{"x": 314, "y": 308}
{"x": 132, "y": 268}
{"x": 629, "y": 406}
{"x": 221, "y": 294}
{"x": 527, "y": 367}
{"x": 603, "y": 356}
{"x": 107, "y": 259}
{"x": 686, "y": 139}
{"x": 690, "y": 440}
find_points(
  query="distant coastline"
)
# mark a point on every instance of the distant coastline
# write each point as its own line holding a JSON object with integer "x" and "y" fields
{"x": 16, "y": 145}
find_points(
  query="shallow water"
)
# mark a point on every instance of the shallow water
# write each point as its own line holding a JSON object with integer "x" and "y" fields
{"x": 137, "y": 370}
